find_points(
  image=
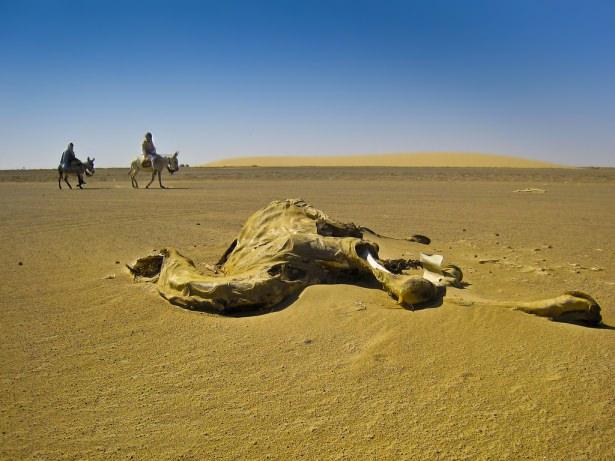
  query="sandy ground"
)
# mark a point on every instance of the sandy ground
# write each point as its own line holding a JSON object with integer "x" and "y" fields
{"x": 96, "y": 367}
{"x": 415, "y": 159}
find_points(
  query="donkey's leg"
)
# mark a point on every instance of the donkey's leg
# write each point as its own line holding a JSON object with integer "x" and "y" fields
{"x": 133, "y": 178}
{"x": 159, "y": 180}
{"x": 66, "y": 181}
{"x": 60, "y": 181}
{"x": 151, "y": 180}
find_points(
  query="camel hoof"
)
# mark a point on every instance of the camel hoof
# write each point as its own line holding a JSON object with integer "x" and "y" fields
{"x": 412, "y": 291}
{"x": 580, "y": 307}
{"x": 571, "y": 307}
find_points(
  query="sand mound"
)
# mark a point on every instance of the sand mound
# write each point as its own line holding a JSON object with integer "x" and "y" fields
{"x": 418, "y": 159}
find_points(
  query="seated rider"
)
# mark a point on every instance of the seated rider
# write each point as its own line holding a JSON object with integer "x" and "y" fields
{"x": 69, "y": 160}
{"x": 148, "y": 149}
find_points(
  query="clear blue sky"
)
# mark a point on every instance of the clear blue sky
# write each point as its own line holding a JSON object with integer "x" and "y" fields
{"x": 236, "y": 78}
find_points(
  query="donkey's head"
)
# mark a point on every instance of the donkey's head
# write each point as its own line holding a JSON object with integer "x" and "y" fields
{"x": 173, "y": 163}
{"x": 89, "y": 166}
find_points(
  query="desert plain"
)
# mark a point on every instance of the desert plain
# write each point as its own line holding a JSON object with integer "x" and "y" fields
{"x": 98, "y": 367}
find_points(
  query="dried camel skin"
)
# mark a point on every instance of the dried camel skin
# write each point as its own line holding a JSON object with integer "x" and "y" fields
{"x": 289, "y": 245}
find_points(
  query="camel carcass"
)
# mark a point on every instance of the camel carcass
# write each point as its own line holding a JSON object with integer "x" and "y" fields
{"x": 289, "y": 245}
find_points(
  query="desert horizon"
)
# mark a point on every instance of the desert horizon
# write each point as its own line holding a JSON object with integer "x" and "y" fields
{"x": 434, "y": 159}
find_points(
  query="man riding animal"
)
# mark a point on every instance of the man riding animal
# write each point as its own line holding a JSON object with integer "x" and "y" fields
{"x": 71, "y": 165}
{"x": 70, "y": 161}
{"x": 150, "y": 160}
{"x": 148, "y": 150}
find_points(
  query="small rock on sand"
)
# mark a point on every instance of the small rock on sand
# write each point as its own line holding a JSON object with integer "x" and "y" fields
{"x": 486, "y": 261}
{"x": 418, "y": 238}
{"x": 531, "y": 190}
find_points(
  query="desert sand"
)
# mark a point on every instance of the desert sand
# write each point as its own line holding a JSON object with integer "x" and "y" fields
{"x": 415, "y": 159}
{"x": 95, "y": 366}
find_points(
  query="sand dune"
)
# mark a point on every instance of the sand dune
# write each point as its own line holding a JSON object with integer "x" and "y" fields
{"x": 417, "y": 159}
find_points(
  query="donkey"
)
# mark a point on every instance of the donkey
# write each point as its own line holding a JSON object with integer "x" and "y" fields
{"x": 75, "y": 170}
{"x": 161, "y": 162}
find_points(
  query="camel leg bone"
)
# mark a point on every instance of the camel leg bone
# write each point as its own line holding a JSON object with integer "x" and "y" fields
{"x": 572, "y": 306}
{"x": 408, "y": 290}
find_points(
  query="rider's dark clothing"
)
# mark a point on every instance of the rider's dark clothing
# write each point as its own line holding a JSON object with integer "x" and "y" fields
{"x": 69, "y": 159}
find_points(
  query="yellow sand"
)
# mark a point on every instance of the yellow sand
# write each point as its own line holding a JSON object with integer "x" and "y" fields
{"x": 97, "y": 367}
{"x": 419, "y": 159}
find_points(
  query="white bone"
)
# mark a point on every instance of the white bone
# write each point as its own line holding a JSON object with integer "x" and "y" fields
{"x": 432, "y": 265}
{"x": 373, "y": 262}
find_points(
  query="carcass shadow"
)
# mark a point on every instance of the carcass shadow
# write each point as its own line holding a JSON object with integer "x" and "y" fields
{"x": 363, "y": 283}
{"x": 240, "y": 312}
{"x": 581, "y": 323}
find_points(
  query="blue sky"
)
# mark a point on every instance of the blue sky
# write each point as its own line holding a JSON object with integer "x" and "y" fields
{"x": 232, "y": 78}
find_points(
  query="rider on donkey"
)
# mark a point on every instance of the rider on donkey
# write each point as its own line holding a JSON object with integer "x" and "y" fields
{"x": 69, "y": 160}
{"x": 148, "y": 150}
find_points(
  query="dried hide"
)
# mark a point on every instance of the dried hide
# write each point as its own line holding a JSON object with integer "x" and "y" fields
{"x": 289, "y": 245}
{"x": 280, "y": 250}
